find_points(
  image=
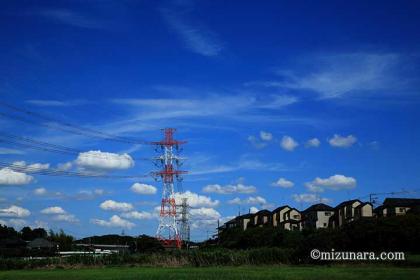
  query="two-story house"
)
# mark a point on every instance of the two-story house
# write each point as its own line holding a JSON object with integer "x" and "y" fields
{"x": 262, "y": 218}
{"x": 396, "y": 206}
{"x": 317, "y": 216}
{"x": 292, "y": 220}
{"x": 351, "y": 210}
{"x": 278, "y": 214}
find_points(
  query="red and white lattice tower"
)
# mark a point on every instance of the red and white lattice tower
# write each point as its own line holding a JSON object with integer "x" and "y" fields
{"x": 167, "y": 231}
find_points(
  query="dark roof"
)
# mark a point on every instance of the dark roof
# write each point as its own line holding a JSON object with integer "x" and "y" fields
{"x": 280, "y": 208}
{"x": 318, "y": 207}
{"x": 231, "y": 221}
{"x": 245, "y": 216}
{"x": 344, "y": 203}
{"x": 405, "y": 202}
{"x": 40, "y": 243}
{"x": 263, "y": 212}
{"x": 378, "y": 210}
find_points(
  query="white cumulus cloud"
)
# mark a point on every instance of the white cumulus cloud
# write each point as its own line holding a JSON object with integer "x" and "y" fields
{"x": 114, "y": 221}
{"x": 204, "y": 213}
{"x": 59, "y": 214}
{"x": 196, "y": 200}
{"x": 69, "y": 218}
{"x": 335, "y": 182}
{"x": 14, "y": 212}
{"x": 253, "y": 209}
{"x": 266, "y": 136}
{"x": 228, "y": 189}
{"x": 256, "y": 142}
{"x": 283, "y": 183}
{"x": 288, "y": 143}
{"x": 53, "y": 210}
{"x": 313, "y": 143}
{"x": 24, "y": 167}
{"x": 143, "y": 188}
{"x": 65, "y": 166}
{"x": 309, "y": 198}
{"x": 40, "y": 191}
{"x": 11, "y": 177}
{"x": 138, "y": 215}
{"x": 342, "y": 141}
{"x": 104, "y": 160}
{"x": 15, "y": 223}
{"x": 252, "y": 200}
{"x": 112, "y": 205}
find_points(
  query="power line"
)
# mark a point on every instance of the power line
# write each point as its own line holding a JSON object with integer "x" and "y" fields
{"x": 58, "y": 172}
{"x": 65, "y": 126}
{"x": 374, "y": 196}
{"x": 45, "y": 146}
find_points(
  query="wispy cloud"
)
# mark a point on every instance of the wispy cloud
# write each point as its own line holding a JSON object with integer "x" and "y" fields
{"x": 246, "y": 162}
{"x": 7, "y": 151}
{"x": 69, "y": 17}
{"x": 234, "y": 106}
{"x": 196, "y": 37}
{"x": 54, "y": 103}
{"x": 346, "y": 75}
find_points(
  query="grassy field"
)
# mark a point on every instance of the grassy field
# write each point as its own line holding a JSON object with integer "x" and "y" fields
{"x": 261, "y": 272}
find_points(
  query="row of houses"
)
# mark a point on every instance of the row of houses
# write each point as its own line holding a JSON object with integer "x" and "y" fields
{"x": 323, "y": 216}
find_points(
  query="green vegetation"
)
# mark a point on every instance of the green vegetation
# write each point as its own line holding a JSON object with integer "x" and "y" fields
{"x": 247, "y": 272}
{"x": 399, "y": 233}
{"x": 198, "y": 258}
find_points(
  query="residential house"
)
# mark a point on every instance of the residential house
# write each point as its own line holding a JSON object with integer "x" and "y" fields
{"x": 41, "y": 244}
{"x": 262, "y": 218}
{"x": 278, "y": 215}
{"x": 397, "y": 206}
{"x": 292, "y": 220}
{"x": 317, "y": 216}
{"x": 244, "y": 220}
{"x": 363, "y": 210}
{"x": 346, "y": 211}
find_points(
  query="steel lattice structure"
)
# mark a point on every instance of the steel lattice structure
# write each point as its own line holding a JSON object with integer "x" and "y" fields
{"x": 167, "y": 230}
{"x": 184, "y": 221}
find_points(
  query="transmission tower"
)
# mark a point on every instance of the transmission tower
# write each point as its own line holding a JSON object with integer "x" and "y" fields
{"x": 184, "y": 221}
{"x": 167, "y": 231}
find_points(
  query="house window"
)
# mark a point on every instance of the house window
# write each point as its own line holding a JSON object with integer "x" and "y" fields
{"x": 325, "y": 224}
{"x": 296, "y": 217}
{"x": 327, "y": 213}
{"x": 401, "y": 210}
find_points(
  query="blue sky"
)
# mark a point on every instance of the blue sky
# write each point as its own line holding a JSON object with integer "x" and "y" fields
{"x": 281, "y": 103}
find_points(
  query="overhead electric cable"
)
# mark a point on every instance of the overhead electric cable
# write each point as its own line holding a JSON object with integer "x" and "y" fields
{"x": 48, "y": 147}
{"x": 58, "y": 172}
{"x": 68, "y": 127}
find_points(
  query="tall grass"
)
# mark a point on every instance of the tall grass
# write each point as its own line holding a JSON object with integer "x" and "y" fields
{"x": 198, "y": 258}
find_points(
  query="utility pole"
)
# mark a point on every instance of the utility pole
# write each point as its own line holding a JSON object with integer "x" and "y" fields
{"x": 169, "y": 160}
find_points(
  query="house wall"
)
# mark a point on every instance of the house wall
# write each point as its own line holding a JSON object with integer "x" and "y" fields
{"x": 367, "y": 210}
{"x": 293, "y": 215}
{"x": 245, "y": 223}
{"x": 279, "y": 215}
{"x": 346, "y": 213}
{"x": 323, "y": 218}
{"x": 398, "y": 211}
